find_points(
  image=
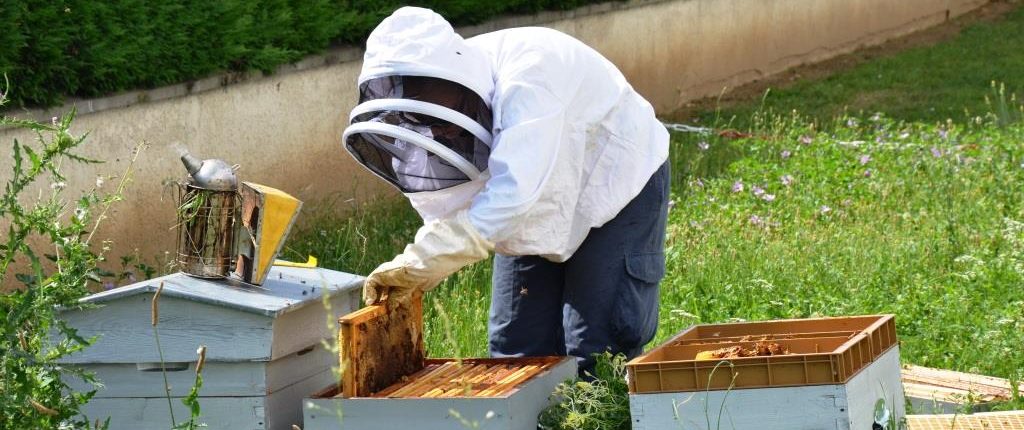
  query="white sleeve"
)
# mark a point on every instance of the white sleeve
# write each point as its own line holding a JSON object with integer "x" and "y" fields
{"x": 523, "y": 156}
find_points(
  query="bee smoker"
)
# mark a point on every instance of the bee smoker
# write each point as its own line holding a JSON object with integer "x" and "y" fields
{"x": 227, "y": 228}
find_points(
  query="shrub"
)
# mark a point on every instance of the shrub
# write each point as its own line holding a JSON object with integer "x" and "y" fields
{"x": 88, "y": 48}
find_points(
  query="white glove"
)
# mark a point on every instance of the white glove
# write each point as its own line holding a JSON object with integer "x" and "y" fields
{"x": 441, "y": 248}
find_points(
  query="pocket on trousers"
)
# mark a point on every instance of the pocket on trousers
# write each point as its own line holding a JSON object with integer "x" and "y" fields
{"x": 635, "y": 319}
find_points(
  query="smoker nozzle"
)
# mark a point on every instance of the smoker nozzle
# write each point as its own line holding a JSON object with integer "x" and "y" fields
{"x": 211, "y": 174}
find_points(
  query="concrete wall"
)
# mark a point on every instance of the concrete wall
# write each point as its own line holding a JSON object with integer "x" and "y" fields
{"x": 283, "y": 129}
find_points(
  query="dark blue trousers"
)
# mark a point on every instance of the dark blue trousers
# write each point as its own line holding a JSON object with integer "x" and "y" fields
{"x": 604, "y": 298}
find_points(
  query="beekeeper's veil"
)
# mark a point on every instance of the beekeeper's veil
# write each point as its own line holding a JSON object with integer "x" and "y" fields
{"x": 423, "y": 122}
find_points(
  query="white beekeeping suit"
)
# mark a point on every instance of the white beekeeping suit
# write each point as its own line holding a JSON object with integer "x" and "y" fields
{"x": 554, "y": 142}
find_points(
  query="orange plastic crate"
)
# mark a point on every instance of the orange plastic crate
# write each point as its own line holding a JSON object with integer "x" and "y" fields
{"x": 824, "y": 351}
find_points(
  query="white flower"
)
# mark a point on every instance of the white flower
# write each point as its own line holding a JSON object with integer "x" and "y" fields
{"x": 99, "y": 182}
{"x": 682, "y": 314}
{"x": 58, "y": 185}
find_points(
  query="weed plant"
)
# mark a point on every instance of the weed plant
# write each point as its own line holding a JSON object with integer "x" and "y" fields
{"x": 53, "y": 237}
{"x": 598, "y": 402}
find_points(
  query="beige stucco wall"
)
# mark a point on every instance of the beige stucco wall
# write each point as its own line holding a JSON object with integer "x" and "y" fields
{"x": 283, "y": 129}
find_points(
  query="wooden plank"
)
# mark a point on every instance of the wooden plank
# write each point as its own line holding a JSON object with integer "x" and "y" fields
{"x": 151, "y": 413}
{"x": 220, "y": 379}
{"x": 297, "y": 330}
{"x": 948, "y": 385}
{"x": 1011, "y": 420}
{"x": 125, "y": 334}
{"x": 380, "y": 345}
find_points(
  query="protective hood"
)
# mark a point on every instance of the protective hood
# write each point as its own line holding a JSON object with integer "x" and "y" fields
{"x": 423, "y": 122}
{"x": 441, "y": 204}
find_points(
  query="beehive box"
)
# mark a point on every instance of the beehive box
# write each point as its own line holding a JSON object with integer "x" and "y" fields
{"x": 264, "y": 347}
{"x": 835, "y": 372}
{"x": 493, "y": 394}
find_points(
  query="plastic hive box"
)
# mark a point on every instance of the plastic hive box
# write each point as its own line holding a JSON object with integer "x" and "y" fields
{"x": 823, "y": 351}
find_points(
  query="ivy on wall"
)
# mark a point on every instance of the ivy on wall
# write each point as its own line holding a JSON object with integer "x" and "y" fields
{"x": 86, "y": 48}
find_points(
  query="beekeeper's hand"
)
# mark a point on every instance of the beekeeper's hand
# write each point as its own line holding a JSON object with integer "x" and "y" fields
{"x": 441, "y": 248}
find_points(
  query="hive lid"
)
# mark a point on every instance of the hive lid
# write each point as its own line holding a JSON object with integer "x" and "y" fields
{"x": 285, "y": 290}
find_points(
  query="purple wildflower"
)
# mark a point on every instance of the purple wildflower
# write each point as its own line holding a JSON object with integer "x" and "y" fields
{"x": 108, "y": 285}
{"x": 786, "y": 180}
{"x": 852, "y": 122}
{"x": 936, "y": 152}
{"x": 698, "y": 183}
{"x": 867, "y": 173}
{"x": 785, "y": 154}
{"x": 758, "y": 191}
{"x": 768, "y": 197}
{"x": 944, "y": 134}
{"x": 824, "y": 209}
{"x": 806, "y": 140}
{"x": 703, "y": 146}
{"x": 756, "y": 220}
{"x": 865, "y": 159}
{"x": 737, "y": 187}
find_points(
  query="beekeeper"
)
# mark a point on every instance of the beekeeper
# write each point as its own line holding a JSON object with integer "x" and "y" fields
{"x": 528, "y": 143}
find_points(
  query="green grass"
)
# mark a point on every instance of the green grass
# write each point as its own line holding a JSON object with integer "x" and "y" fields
{"x": 882, "y": 214}
{"x": 922, "y": 84}
{"x": 881, "y": 217}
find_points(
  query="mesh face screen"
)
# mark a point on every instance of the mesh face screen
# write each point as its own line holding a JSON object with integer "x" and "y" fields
{"x": 408, "y": 166}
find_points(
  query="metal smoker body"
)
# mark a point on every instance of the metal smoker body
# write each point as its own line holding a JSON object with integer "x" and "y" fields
{"x": 225, "y": 226}
{"x": 207, "y": 213}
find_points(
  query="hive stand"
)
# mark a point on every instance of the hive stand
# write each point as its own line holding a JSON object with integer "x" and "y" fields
{"x": 264, "y": 353}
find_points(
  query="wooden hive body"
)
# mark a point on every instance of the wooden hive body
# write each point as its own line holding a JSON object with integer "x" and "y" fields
{"x": 264, "y": 347}
{"x": 387, "y": 383}
{"x": 515, "y": 406}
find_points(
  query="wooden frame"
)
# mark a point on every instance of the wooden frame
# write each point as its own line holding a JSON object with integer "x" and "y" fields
{"x": 379, "y": 345}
